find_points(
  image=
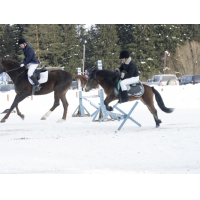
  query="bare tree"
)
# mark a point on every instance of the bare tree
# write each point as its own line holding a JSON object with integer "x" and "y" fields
{"x": 188, "y": 57}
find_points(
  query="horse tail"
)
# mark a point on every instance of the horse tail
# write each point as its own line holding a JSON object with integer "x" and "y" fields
{"x": 160, "y": 102}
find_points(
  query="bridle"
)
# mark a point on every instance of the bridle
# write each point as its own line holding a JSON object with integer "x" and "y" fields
{"x": 91, "y": 85}
{"x": 14, "y": 70}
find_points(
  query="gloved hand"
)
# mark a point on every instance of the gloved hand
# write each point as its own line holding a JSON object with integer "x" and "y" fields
{"x": 22, "y": 65}
{"x": 122, "y": 75}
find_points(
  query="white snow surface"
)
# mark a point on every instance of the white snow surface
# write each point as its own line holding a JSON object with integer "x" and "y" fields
{"x": 80, "y": 146}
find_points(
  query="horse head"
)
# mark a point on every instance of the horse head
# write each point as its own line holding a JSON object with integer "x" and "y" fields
{"x": 92, "y": 82}
{"x": 105, "y": 78}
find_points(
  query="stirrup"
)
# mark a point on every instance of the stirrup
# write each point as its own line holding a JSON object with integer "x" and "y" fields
{"x": 37, "y": 87}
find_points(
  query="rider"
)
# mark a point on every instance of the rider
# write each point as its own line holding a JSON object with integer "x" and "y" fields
{"x": 132, "y": 75}
{"x": 29, "y": 60}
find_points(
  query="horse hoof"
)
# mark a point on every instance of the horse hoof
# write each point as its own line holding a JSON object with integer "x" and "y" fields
{"x": 22, "y": 116}
{"x": 110, "y": 108}
{"x": 157, "y": 126}
{"x": 3, "y": 121}
{"x": 43, "y": 118}
{"x": 61, "y": 120}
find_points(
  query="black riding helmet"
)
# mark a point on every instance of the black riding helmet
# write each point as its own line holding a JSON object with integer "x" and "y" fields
{"x": 21, "y": 41}
{"x": 124, "y": 54}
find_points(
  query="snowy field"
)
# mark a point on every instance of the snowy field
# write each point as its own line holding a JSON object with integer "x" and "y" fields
{"x": 80, "y": 146}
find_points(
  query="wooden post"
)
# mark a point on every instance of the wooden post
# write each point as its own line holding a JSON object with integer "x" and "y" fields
{"x": 83, "y": 59}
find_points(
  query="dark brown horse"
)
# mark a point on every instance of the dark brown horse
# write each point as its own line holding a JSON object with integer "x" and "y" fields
{"x": 108, "y": 80}
{"x": 59, "y": 81}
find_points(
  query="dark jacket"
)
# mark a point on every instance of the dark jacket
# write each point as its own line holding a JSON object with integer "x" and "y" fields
{"x": 29, "y": 55}
{"x": 130, "y": 68}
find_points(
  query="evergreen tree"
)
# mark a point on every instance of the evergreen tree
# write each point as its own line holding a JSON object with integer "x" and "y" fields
{"x": 90, "y": 46}
{"x": 124, "y": 33}
{"x": 141, "y": 46}
{"x": 191, "y": 32}
{"x": 106, "y": 48}
{"x": 70, "y": 48}
{"x": 2, "y": 41}
{"x": 17, "y": 30}
{"x": 7, "y": 49}
{"x": 50, "y": 41}
{"x": 31, "y": 35}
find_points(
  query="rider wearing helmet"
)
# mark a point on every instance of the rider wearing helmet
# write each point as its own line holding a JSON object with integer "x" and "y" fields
{"x": 132, "y": 75}
{"x": 30, "y": 60}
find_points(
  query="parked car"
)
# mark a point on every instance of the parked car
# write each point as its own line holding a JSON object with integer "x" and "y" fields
{"x": 196, "y": 79}
{"x": 162, "y": 80}
{"x": 73, "y": 85}
{"x": 185, "y": 80}
{"x": 189, "y": 79}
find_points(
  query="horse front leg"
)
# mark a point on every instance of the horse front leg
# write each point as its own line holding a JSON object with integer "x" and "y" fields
{"x": 108, "y": 100}
{"x": 17, "y": 99}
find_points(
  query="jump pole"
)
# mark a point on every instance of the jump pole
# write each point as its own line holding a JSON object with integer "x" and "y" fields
{"x": 115, "y": 116}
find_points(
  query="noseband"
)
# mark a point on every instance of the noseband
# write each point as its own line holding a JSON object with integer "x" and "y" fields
{"x": 91, "y": 85}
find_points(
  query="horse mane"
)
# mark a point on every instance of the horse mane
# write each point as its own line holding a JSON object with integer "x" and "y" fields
{"x": 110, "y": 77}
{"x": 5, "y": 61}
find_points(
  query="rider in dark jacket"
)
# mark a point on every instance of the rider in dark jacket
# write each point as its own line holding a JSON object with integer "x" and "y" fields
{"x": 31, "y": 61}
{"x": 29, "y": 56}
{"x": 132, "y": 75}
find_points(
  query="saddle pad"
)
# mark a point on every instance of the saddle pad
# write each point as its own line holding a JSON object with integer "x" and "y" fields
{"x": 135, "y": 89}
{"x": 43, "y": 78}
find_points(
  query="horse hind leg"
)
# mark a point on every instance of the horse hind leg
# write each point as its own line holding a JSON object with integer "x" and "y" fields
{"x": 19, "y": 113}
{"x": 153, "y": 111}
{"x": 56, "y": 103}
{"x": 65, "y": 106}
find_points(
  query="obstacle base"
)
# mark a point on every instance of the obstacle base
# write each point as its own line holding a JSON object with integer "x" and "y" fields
{"x": 124, "y": 116}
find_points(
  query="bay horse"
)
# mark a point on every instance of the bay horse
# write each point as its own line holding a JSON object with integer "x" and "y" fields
{"x": 109, "y": 79}
{"x": 59, "y": 81}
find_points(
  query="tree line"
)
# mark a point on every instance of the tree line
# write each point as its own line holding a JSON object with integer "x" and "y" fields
{"x": 153, "y": 47}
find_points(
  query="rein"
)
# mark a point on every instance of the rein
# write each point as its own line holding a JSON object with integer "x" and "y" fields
{"x": 91, "y": 85}
{"x": 14, "y": 70}
{"x": 19, "y": 75}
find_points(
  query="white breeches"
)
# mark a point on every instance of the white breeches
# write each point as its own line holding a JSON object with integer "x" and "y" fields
{"x": 31, "y": 69}
{"x": 128, "y": 81}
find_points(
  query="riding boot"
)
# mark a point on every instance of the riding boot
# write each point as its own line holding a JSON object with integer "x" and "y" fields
{"x": 37, "y": 86}
{"x": 124, "y": 96}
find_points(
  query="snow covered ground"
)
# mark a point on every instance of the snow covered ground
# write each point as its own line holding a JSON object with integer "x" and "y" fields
{"x": 80, "y": 146}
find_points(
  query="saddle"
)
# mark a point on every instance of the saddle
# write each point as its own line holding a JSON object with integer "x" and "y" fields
{"x": 38, "y": 71}
{"x": 135, "y": 89}
{"x": 36, "y": 74}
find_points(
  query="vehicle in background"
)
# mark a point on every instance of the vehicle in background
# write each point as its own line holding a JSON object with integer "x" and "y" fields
{"x": 185, "y": 80}
{"x": 189, "y": 79}
{"x": 196, "y": 79}
{"x": 162, "y": 80}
